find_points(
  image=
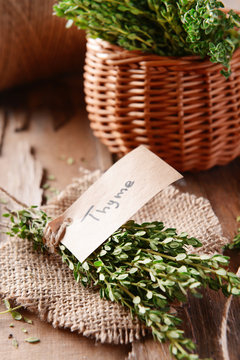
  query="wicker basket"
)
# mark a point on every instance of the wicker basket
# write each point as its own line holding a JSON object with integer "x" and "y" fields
{"x": 183, "y": 109}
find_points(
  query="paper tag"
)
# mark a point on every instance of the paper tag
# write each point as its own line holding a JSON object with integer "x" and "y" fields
{"x": 114, "y": 198}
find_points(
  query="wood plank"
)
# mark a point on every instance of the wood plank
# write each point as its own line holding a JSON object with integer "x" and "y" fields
{"x": 53, "y": 149}
{"x": 221, "y": 186}
{"x": 231, "y": 4}
{"x": 3, "y": 122}
{"x": 25, "y": 176}
{"x": 21, "y": 119}
{"x": 233, "y": 328}
{"x": 55, "y": 343}
{"x": 148, "y": 349}
{"x": 202, "y": 318}
{"x": 57, "y": 98}
{"x": 75, "y": 140}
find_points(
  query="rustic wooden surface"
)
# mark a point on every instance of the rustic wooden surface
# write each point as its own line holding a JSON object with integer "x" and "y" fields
{"x": 34, "y": 145}
{"x": 28, "y": 157}
{"x": 28, "y": 140}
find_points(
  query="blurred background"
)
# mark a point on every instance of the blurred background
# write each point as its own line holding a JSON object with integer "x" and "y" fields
{"x": 34, "y": 44}
{"x": 41, "y": 67}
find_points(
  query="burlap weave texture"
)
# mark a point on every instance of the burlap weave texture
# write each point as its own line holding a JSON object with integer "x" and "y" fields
{"x": 46, "y": 286}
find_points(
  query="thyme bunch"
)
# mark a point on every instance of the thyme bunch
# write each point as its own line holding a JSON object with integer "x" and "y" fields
{"x": 163, "y": 27}
{"x": 144, "y": 267}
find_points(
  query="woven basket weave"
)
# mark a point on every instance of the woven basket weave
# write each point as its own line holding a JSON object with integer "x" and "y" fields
{"x": 183, "y": 109}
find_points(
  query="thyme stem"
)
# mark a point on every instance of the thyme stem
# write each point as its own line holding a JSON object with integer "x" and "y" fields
{"x": 10, "y": 310}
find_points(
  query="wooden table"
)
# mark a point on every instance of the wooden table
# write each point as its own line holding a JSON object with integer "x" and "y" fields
{"x": 41, "y": 128}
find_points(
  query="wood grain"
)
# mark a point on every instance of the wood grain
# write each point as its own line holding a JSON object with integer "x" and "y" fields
{"x": 3, "y": 121}
{"x": 231, "y": 4}
{"x": 147, "y": 349}
{"x": 24, "y": 179}
{"x": 55, "y": 343}
{"x": 202, "y": 318}
{"x": 21, "y": 119}
{"x": 73, "y": 140}
{"x": 35, "y": 44}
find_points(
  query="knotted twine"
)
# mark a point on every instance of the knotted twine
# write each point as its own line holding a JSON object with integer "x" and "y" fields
{"x": 53, "y": 238}
{"x": 46, "y": 286}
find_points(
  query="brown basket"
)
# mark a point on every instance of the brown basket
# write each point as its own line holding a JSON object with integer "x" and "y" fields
{"x": 183, "y": 109}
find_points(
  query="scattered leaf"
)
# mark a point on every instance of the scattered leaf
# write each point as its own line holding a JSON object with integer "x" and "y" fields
{"x": 46, "y": 186}
{"x": 70, "y": 161}
{"x": 16, "y": 315}
{"x": 15, "y": 343}
{"x": 32, "y": 340}
{"x": 3, "y": 201}
{"x": 51, "y": 177}
{"x": 54, "y": 190}
{"x": 7, "y": 304}
{"x": 29, "y": 321}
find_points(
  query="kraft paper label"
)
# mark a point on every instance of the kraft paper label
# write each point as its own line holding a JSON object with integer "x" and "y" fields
{"x": 114, "y": 198}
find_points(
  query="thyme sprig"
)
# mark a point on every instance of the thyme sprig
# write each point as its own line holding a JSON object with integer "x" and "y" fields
{"x": 144, "y": 267}
{"x": 15, "y": 314}
{"x": 235, "y": 244}
{"x": 13, "y": 311}
{"x": 166, "y": 27}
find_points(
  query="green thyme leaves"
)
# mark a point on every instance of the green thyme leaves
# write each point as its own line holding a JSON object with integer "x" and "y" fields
{"x": 17, "y": 316}
{"x": 144, "y": 267}
{"x": 235, "y": 244}
{"x": 13, "y": 311}
{"x": 28, "y": 321}
{"x": 15, "y": 343}
{"x": 7, "y": 304}
{"x": 167, "y": 28}
{"x": 32, "y": 340}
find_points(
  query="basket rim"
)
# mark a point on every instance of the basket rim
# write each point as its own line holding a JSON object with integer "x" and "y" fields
{"x": 122, "y": 54}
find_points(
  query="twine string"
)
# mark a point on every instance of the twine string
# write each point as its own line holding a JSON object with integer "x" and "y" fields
{"x": 13, "y": 198}
{"x": 52, "y": 238}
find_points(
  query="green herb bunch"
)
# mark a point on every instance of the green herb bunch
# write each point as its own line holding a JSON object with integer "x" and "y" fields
{"x": 145, "y": 268}
{"x": 163, "y": 27}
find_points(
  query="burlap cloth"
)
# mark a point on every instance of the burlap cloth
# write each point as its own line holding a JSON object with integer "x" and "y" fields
{"x": 46, "y": 286}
